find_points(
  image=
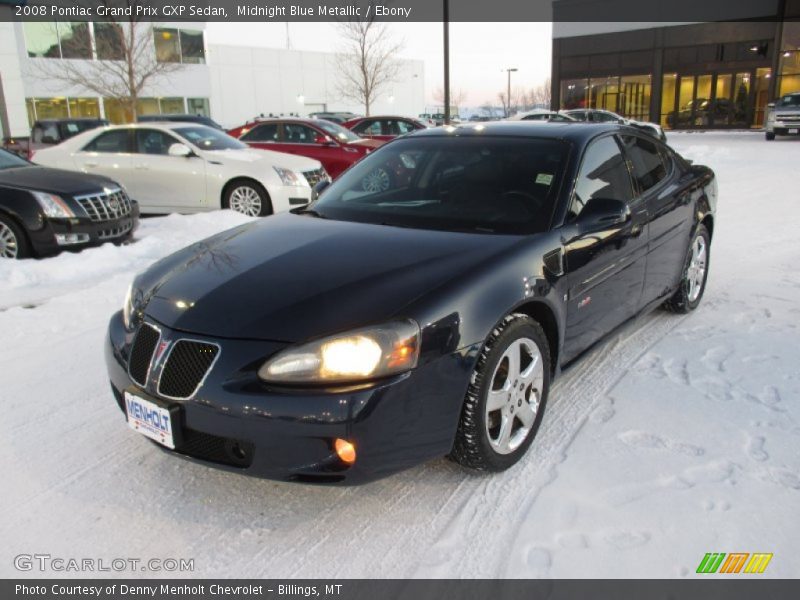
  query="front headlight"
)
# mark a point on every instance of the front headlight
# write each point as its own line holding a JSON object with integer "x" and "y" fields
{"x": 53, "y": 206}
{"x": 362, "y": 354}
{"x": 289, "y": 177}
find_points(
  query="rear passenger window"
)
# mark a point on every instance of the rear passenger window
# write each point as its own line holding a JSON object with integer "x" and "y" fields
{"x": 111, "y": 141}
{"x": 603, "y": 174}
{"x": 648, "y": 163}
{"x": 262, "y": 133}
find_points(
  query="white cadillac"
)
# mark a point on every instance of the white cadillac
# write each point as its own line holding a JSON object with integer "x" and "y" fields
{"x": 183, "y": 167}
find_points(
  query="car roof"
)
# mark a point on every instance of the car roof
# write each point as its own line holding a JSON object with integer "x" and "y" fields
{"x": 72, "y": 120}
{"x": 155, "y": 124}
{"x": 576, "y": 132}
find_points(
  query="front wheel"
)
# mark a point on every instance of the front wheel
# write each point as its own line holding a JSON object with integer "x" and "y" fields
{"x": 248, "y": 198}
{"x": 13, "y": 243}
{"x": 506, "y": 398}
{"x": 695, "y": 273}
{"x": 770, "y": 135}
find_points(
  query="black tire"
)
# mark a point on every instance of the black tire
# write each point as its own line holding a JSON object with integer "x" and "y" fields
{"x": 472, "y": 447}
{"x": 238, "y": 185}
{"x": 770, "y": 135}
{"x": 681, "y": 301}
{"x": 9, "y": 226}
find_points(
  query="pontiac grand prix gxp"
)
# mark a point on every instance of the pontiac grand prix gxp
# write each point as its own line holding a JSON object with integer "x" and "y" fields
{"x": 371, "y": 331}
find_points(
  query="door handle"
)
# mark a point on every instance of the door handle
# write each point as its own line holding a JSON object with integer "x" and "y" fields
{"x": 90, "y": 164}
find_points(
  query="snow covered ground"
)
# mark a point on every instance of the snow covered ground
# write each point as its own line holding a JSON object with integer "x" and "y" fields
{"x": 678, "y": 436}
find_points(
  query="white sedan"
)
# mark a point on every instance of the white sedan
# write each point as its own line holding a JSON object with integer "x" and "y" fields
{"x": 182, "y": 167}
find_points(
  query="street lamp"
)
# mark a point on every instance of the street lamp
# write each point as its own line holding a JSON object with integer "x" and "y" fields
{"x": 508, "y": 91}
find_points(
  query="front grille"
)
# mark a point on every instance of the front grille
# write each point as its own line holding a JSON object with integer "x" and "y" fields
{"x": 216, "y": 449}
{"x": 315, "y": 176}
{"x": 115, "y": 232}
{"x": 142, "y": 353}
{"x": 187, "y": 365}
{"x": 105, "y": 206}
{"x": 788, "y": 118}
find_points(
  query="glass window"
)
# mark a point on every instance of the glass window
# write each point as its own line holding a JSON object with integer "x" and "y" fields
{"x": 761, "y": 96}
{"x": 337, "y": 131}
{"x": 267, "y": 132}
{"x": 11, "y": 161}
{"x": 46, "y": 133}
{"x": 198, "y": 106}
{"x": 84, "y": 107}
{"x": 108, "y": 41}
{"x": 603, "y": 174}
{"x": 298, "y": 134}
{"x": 486, "y": 185}
{"x": 167, "y": 44}
{"x": 116, "y": 112}
{"x": 41, "y": 40}
{"x": 634, "y": 100}
{"x": 31, "y": 111}
{"x": 668, "y": 98}
{"x": 171, "y": 106}
{"x": 207, "y": 138}
{"x": 574, "y": 93}
{"x": 192, "y": 49}
{"x": 741, "y": 99}
{"x": 115, "y": 141}
{"x": 604, "y": 93}
{"x": 648, "y": 164}
{"x": 153, "y": 141}
{"x": 368, "y": 127}
{"x": 51, "y": 108}
{"x": 75, "y": 40}
{"x": 147, "y": 106}
{"x": 405, "y": 127}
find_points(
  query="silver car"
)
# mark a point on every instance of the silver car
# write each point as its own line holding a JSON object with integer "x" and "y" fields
{"x": 783, "y": 117}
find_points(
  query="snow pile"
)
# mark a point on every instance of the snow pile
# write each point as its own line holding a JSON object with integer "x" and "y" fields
{"x": 677, "y": 437}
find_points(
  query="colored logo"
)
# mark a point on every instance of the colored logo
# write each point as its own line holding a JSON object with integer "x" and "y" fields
{"x": 735, "y": 562}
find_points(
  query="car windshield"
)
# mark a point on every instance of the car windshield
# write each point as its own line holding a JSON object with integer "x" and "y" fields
{"x": 11, "y": 161}
{"x": 71, "y": 128}
{"x": 792, "y": 101}
{"x": 206, "y": 138}
{"x": 503, "y": 185}
{"x": 337, "y": 131}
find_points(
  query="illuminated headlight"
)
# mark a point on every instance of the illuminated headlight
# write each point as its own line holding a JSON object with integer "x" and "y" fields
{"x": 53, "y": 206}
{"x": 289, "y": 177}
{"x": 358, "y": 355}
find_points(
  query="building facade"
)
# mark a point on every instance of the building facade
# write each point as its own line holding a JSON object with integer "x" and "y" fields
{"x": 687, "y": 75}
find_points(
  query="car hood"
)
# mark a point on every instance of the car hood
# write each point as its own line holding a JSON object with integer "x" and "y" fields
{"x": 262, "y": 159}
{"x": 289, "y": 278}
{"x": 55, "y": 181}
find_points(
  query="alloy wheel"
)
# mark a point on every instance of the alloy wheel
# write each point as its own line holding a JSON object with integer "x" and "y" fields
{"x": 246, "y": 200}
{"x": 514, "y": 396}
{"x": 696, "y": 271}
{"x": 9, "y": 246}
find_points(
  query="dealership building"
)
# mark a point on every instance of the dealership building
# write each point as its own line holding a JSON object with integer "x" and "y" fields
{"x": 228, "y": 83}
{"x": 681, "y": 75}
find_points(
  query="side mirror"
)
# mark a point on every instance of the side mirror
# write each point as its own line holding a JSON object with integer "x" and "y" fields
{"x": 317, "y": 190}
{"x": 603, "y": 213}
{"x": 770, "y": 105}
{"x": 324, "y": 140}
{"x": 178, "y": 149}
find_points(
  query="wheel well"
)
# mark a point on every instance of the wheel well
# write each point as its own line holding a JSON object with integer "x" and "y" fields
{"x": 708, "y": 221}
{"x": 542, "y": 314}
{"x": 223, "y": 201}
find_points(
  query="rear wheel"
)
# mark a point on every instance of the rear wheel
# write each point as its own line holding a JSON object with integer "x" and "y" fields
{"x": 13, "y": 242}
{"x": 695, "y": 273}
{"x": 506, "y": 398}
{"x": 248, "y": 198}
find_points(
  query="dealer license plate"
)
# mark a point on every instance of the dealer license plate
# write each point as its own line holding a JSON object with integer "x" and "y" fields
{"x": 793, "y": 131}
{"x": 149, "y": 419}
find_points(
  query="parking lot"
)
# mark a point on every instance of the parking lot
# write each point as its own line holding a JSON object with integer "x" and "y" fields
{"x": 677, "y": 436}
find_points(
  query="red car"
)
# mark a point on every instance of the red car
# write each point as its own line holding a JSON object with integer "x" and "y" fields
{"x": 334, "y": 146}
{"x": 383, "y": 128}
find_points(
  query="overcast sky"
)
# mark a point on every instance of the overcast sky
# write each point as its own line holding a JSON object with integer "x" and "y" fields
{"x": 479, "y": 52}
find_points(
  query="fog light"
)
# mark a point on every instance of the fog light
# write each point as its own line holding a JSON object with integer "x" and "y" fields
{"x": 345, "y": 450}
{"x": 66, "y": 239}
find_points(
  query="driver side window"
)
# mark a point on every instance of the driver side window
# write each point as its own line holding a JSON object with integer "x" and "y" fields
{"x": 603, "y": 174}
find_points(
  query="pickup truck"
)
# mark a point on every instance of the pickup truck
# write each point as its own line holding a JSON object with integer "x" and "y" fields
{"x": 48, "y": 132}
{"x": 783, "y": 117}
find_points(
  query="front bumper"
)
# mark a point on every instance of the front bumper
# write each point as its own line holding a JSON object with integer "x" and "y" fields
{"x": 236, "y": 422}
{"x": 783, "y": 127}
{"x": 286, "y": 197}
{"x": 51, "y": 236}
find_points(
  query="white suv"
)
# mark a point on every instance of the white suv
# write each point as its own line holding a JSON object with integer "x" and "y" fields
{"x": 187, "y": 167}
{"x": 783, "y": 117}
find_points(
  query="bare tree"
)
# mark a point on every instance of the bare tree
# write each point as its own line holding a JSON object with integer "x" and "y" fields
{"x": 457, "y": 96}
{"x": 366, "y": 61}
{"x": 542, "y": 93}
{"x": 125, "y": 64}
